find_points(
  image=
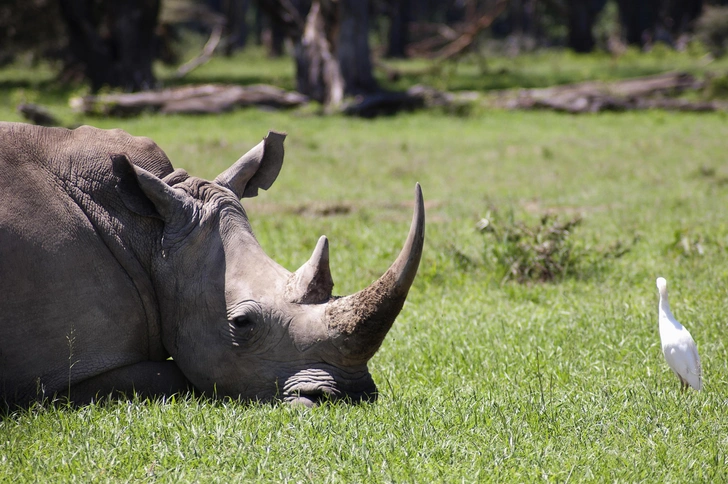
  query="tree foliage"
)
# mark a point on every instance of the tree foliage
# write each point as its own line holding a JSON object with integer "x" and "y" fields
{"x": 114, "y": 42}
{"x": 30, "y": 26}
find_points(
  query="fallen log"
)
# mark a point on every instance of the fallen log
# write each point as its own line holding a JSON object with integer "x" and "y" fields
{"x": 652, "y": 92}
{"x": 200, "y": 99}
{"x": 607, "y": 103}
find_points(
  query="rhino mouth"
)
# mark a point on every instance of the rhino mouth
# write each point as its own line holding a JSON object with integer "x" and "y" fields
{"x": 311, "y": 387}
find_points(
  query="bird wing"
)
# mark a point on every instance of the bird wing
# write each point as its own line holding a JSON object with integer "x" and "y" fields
{"x": 682, "y": 358}
{"x": 673, "y": 357}
{"x": 697, "y": 369}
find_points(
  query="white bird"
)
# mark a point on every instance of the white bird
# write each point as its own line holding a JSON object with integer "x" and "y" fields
{"x": 678, "y": 345}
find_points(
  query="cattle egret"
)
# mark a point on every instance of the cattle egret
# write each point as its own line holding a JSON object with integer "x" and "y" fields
{"x": 678, "y": 345}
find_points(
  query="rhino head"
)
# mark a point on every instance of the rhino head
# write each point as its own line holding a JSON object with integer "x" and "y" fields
{"x": 238, "y": 324}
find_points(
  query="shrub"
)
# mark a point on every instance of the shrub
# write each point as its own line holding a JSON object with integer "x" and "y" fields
{"x": 542, "y": 252}
{"x": 717, "y": 87}
{"x": 712, "y": 30}
{"x": 688, "y": 244}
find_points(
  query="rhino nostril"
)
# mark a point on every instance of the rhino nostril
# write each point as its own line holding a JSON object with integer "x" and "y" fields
{"x": 295, "y": 401}
{"x": 312, "y": 397}
{"x": 307, "y": 399}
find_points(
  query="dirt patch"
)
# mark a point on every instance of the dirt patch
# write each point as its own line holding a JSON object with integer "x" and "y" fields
{"x": 333, "y": 209}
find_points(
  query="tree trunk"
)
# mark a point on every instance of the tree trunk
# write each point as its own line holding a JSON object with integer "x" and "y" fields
{"x": 236, "y": 28}
{"x": 114, "y": 41}
{"x": 581, "y": 21}
{"x": 638, "y": 18}
{"x": 317, "y": 71}
{"x": 332, "y": 45}
{"x": 399, "y": 20}
{"x": 352, "y": 49}
{"x": 682, "y": 14}
{"x": 277, "y": 38}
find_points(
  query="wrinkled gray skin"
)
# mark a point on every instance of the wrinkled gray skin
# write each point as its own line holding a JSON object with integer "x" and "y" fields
{"x": 111, "y": 261}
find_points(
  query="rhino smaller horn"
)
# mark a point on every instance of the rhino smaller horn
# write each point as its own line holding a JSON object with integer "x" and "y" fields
{"x": 258, "y": 168}
{"x": 312, "y": 283}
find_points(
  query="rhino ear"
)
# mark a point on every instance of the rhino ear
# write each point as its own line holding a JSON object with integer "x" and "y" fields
{"x": 258, "y": 168}
{"x": 144, "y": 193}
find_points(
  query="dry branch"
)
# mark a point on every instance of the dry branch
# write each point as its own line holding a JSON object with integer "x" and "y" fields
{"x": 207, "y": 51}
{"x": 451, "y": 42}
{"x": 471, "y": 32}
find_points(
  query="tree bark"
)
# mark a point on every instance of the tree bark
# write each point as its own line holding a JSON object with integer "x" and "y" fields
{"x": 114, "y": 41}
{"x": 317, "y": 71}
{"x": 195, "y": 99}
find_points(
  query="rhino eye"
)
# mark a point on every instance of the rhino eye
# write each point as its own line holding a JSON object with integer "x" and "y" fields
{"x": 244, "y": 327}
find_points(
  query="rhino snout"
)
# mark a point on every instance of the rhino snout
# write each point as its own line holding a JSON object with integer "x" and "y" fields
{"x": 312, "y": 386}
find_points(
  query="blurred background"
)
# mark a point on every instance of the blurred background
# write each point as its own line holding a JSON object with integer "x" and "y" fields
{"x": 338, "y": 47}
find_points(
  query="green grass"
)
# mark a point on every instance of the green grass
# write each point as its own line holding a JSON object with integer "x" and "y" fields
{"x": 480, "y": 380}
{"x": 547, "y": 68}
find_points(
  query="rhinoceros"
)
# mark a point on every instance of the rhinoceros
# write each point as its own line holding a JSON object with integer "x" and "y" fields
{"x": 119, "y": 273}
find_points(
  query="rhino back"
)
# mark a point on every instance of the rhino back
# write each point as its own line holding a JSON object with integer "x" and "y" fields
{"x": 76, "y": 296}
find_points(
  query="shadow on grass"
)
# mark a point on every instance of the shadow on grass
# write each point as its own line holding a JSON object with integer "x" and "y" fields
{"x": 45, "y": 87}
{"x": 60, "y": 402}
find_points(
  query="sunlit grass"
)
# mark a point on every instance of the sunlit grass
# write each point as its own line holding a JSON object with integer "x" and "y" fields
{"x": 480, "y": 380}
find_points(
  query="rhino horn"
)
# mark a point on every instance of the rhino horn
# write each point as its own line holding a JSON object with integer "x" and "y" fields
{"x": 258, "y": 168}
{"x": 312, "y": 283}
{"x": 359, "y": 323}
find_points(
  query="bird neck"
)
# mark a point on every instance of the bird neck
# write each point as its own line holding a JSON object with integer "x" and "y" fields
{"x": 666, "y": 314}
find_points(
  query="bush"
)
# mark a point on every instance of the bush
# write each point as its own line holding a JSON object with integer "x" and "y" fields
{"x": 543, "y": 252}
{"x": 712, "y": 30}
{"x": 717, "y": 87}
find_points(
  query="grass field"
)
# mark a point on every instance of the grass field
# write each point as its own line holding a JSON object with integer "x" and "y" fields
{"x": 481, "y": 379}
